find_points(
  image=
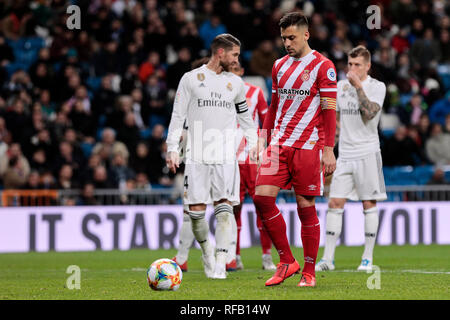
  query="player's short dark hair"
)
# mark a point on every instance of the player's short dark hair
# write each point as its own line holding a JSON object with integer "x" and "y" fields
{"x": 293, "y": 19}
{"x": 225, "y": 41}
{"x": 360, "y": 51}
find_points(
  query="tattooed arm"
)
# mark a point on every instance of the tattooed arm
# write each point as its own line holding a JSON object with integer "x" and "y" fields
{"x": 368, "y": 108}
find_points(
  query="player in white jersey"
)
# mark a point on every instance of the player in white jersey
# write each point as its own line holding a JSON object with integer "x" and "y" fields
{"x": 358, "y": 174}
{"x": 211, "y": 99}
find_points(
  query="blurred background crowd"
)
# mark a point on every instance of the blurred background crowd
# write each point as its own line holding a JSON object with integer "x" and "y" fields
{"x": 89, "y": 109}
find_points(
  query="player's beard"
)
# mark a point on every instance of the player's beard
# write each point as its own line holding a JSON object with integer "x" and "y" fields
{"x": 226, "y": 66}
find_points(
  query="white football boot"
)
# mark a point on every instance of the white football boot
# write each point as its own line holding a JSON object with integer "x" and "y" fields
{"x": 239, "y": 264}
{"x": 366, "y": 265}
{"x": 324, "y": 265}
{"x": 267, "y": 263}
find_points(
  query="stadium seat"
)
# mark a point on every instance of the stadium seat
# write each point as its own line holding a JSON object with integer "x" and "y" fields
{"x": 423, "y": 174}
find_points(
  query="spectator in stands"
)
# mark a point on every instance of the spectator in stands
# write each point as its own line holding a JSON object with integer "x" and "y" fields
{"x": 66, "y": 156}
{"x": 65, "y": 178}
{"x": 123, "y": 106}
{"x": 140, "y": 108}
{"x": 210, "y": 29}
{"x": 6, "y": 52}
{"x": 48, "y": 181}
{"x": 411, "y": 113}
{"x": 101, "y": 180}
{"x": 47, "y": 105}
{"x": 438, "y": 145}
{"x": 109, "y": 146}
{"x": 33, "y": 181}
{"x": 39, "y": 161}
{"x": 176, "y": 70}
{"x": 42, "y": 140}
{"x": 155, "y": 141}
{"x": 262, "y": 59}
{"x": 121, "y": 173}
{"x": 425, "y": 51}
{"x": 440, "y": 109}
{"x": 142, "y": 181}
{"x": 140, "y": 160}
{"x": 104, "y": 99}
{"x": 400, "y": 149}
{"x": 438, "y": 179}
{"x": 18, "y": 122}
{"x": 82, "y": 119}
{"x": 14, "y": 176}
{"x": 156, "y": 95}
{"x": 14, "y": 159}
{"x": 159, "y": 173}
{"x": 87, "y": 197}
{"x": 447, "y": 123}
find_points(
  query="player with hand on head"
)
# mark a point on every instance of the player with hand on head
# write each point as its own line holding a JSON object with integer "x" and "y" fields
{"x": 257, "y": 106}
{"x": 300, "y": 126}
{"x": 211, "y": 99}
{"x": 359, "y": 174}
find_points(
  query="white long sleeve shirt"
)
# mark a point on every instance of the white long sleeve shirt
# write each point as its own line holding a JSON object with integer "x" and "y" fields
{"x": 212, "y": 104}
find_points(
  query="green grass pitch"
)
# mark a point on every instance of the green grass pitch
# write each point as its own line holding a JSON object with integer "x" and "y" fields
{"x": 407, "y": 272}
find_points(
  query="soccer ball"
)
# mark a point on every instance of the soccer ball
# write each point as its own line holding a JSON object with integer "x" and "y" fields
{"x": 164, "y": 274}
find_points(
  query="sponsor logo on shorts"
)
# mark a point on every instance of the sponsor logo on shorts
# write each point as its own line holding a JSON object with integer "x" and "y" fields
{"x": 312, "y": 187}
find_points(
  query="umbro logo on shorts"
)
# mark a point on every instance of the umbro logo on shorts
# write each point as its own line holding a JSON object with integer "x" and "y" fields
{"x": 312, "y": 187}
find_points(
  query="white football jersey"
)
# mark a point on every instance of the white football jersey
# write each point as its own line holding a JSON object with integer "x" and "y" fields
{"x": 357, "y": 138}
{"x": 210, "y": 103}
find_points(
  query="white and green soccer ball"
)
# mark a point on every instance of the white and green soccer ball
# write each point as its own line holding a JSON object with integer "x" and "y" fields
{"x": 164, "y": 274}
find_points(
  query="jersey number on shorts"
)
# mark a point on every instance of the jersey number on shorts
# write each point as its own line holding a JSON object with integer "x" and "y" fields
{"x": 186, "y": 182}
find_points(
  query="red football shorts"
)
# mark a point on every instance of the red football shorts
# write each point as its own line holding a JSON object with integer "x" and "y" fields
{"x": 287, "y": 167}
{"x": 248, "y": 179}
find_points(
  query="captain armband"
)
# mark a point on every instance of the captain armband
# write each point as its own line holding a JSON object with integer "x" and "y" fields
{"x": 241, "y": 107}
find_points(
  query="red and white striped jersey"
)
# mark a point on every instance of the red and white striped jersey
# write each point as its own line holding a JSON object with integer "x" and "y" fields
{"x": 257, "y": 106}
{"x": 303, "y": 87}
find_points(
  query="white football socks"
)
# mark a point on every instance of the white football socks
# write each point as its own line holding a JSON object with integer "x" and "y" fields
{"x": 370, "y": 231}
{"x": 200, "y": 229}
{"x": 223, "y": 213}
{"x": 186, "y": 239}
{"x": 333, "y": 231}
{"x": 233, "y": 240}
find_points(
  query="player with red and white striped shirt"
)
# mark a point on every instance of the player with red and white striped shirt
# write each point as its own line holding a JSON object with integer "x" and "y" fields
{"x": 300, "y": 126}
{"x": 257, "y": 107}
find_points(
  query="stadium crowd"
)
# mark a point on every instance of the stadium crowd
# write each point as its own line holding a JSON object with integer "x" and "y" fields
{"x": 89, "y": 109}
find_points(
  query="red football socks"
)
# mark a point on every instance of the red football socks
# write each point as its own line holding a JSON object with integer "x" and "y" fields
{"x": 266, "y": 243}
{"x": 310, "y": 235}
{"x": 275, "y": 226}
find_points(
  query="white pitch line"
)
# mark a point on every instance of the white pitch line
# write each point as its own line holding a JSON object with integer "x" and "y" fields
{"x": 334, "y": 271}
{"x": 397, "y": 271}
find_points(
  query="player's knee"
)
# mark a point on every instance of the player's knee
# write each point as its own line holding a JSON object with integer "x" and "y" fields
{"x": 196, "y": 215}
{"x": 335, "y": 203}
{"x": 223, "y": 212}
{"x": 265, "y": 206}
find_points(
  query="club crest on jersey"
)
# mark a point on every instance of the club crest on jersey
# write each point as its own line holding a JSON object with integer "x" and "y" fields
{"x": 229, "y": 86}
{"x": 346, "y": 86}
{"x": 200, "y": 76}
{"x": 305, "y": 75}
{"x": 331, "y": 74}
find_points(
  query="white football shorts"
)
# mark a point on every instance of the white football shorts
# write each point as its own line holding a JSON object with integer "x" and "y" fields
{"x": 206, "y": 183}
{"x": 360, "y": 179}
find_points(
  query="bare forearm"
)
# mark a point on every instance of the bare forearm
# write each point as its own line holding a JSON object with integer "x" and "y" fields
{"x": 368, "y": 108}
